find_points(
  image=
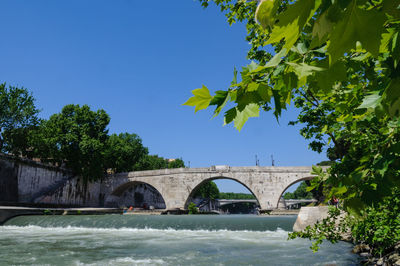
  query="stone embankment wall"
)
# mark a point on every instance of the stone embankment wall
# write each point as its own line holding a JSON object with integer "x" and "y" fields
{"x": 29, "y": 182}
{"x": 26, "y": 181}
{"x": 8, "y": 181}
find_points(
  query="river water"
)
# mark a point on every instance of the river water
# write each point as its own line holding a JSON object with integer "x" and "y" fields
{"x": 161, "y": 240}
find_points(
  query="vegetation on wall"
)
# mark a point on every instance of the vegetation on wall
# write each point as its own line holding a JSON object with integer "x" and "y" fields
{"x": 338, "y": 62}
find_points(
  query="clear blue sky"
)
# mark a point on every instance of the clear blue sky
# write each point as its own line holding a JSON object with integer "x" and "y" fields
{"x": 139, "y": 60}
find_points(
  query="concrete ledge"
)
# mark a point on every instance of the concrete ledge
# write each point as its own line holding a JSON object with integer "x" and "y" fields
{"x": 8, "y": 212}
{"x": 309, "y": 216}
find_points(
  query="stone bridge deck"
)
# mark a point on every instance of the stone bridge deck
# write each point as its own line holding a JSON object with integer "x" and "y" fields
{"x": 177, "y": 186}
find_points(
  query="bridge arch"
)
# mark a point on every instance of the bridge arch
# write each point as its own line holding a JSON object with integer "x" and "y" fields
{"x": 203, "y": 181}
{"x": 287, "y": 185}
{"x": 137, "y": 194}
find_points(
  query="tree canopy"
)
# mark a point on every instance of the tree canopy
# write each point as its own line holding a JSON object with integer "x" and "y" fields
{"x": 18, "y": 114}
{"x": 76, "y": 137}
{"x": 123, "y": 152}
{"x": 300, "y": 193}
{"x": 151, "y": 162}
{"x": 207, "y": 190}
{"x": 338, "y": 62}
{"x": 234, "y": 195}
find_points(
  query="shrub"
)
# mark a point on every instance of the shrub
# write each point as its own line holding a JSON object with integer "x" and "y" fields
{"x": 379, "y": 226}
{"x": 192, "y": 208}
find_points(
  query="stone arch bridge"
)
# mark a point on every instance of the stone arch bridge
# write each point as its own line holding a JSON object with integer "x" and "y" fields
{"x": 177, "y": 186}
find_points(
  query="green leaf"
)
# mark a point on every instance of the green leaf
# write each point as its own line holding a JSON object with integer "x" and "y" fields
{"x": 321, "y": 29}
{"x": 251, "y": 110}
{"x": 396, "y": 49}
{"x": 201, "y": 99}
{"x": 292, "y": 21}
{"x": 356, "y": 25}
{"x": 234, "y": 81}
{"x": 252, "y": 66}
{"x": 303, "y": 70}
{"x": 265, "y": 13}
{"x": 220, "y": 99}
{"x": 392, "y": 97}
{"x": 230, "y": 115}
{"x": 253, "y": 86}
{"x": 339, "y": 190}
{"x": 277, "y": 102}
{"x": 326, "y": 79}
{"x": 301, "y": 48}
{"x": 277, "y": 58}
{"x": 265, "y": 92}
{"x": 370, "y": 101}
{"x": 354, "y": 206}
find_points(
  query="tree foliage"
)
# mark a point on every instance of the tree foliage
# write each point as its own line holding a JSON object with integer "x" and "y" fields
{"x": 379, "y": 225}
{"x": 331, "y": 228}
{"x": 300, "y": 193}
{"x": 338, "y": 62}
{"x": 207, "y": 190}
{"x": 152, "y": 162}
{"x": 18, "y": 114}
{"x": 123, "y": 152}
{"x": 76, "y": 137}
{"x": 233, "y": 195}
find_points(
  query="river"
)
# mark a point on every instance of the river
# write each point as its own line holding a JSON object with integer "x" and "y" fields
{"x": 161, "y": 240}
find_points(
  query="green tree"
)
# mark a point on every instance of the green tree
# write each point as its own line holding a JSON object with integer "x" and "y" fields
{"x": 300, "y": 193}
{"x": 152, "y": 162}
{"x": 76, "y": 138}
{"x": 288, "y": 195}
{"x": 207, "y": 190}
{"x": 18, "y": 115}
{"x": 123, "y": 151}
{"x": 338, "y": 62}
{"x": 176, "y": 163}
{"x": 233, "y": 195}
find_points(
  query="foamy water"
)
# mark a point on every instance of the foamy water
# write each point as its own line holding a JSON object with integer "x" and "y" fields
{"x": 161, "y": 240}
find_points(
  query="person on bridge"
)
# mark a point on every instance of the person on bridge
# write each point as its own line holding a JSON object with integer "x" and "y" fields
{"x": 335, "y": 201}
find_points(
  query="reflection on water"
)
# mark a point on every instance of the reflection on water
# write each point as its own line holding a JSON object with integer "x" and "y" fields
{"x": 161, "y": 240}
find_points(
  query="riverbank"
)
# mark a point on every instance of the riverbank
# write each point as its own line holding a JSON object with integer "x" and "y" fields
{"x": 392, "y": 258}
{"x": 284, "y": 212}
